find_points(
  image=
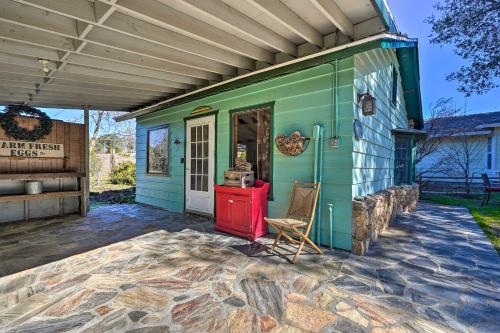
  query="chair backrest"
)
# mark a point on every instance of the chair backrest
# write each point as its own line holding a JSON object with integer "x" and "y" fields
{"x": 303, "y": 201}
{"x": 486, "y": 180}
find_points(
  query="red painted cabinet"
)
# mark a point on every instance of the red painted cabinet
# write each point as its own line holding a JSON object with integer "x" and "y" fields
{"x": 241, "y": 211}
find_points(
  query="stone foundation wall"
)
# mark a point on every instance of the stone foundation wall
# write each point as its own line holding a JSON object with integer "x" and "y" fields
{"x": 372, "y": 214}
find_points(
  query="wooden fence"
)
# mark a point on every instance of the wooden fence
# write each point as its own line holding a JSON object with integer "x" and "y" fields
{"x": 452, "y": 185}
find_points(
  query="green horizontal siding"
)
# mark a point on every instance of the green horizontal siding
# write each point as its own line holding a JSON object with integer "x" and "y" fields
{"x": 302, "y": 100}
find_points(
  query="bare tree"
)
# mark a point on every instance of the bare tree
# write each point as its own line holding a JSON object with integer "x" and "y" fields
{"x": 103, "y": 125}
{"x": 462, "y": 151}
{"x": 437, "y": 134}
{"x": 95, "y": 163}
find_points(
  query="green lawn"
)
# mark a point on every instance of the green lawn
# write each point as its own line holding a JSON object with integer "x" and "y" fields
{"x": 487, "y": 217}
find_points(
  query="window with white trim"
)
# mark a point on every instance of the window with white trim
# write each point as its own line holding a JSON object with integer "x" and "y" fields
{"x": 489, "y": 153}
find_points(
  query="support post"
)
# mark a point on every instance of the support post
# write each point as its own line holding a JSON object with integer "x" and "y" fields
{"x": 86, "y": 121}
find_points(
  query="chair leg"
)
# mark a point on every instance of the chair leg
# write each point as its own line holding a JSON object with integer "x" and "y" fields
{"x": 290, "y": 239}
{"x": 298, "y": 251}
{"x": 276, "y": 240}
{"x": 488, "y": 200}
{"x": 484, "y": 199}
{"x": 311, "y": 243}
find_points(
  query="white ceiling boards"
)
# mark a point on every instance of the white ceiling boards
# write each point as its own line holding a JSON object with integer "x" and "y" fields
{"x": 127, "y": 54}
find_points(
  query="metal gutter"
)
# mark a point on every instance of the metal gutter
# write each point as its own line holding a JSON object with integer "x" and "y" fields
{"x": 218, "y": 86}
{"x": 410, "y": 132}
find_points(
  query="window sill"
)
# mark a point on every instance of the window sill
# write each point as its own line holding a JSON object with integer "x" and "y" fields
{"x": 162, "y": 175}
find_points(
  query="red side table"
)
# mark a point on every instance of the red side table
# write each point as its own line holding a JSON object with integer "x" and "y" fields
{"x": 241, "y": 211}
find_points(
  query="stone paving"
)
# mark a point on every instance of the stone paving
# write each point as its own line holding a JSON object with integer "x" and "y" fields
{"x": 148, "y": 270}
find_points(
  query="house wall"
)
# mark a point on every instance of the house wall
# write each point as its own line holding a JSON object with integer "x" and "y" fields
{"x": 441, "y": 166}
{"x": 302, "y": 99}
{"x": 373, "y": 154}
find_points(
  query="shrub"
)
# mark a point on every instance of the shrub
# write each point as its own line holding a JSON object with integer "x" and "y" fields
{"x": 123, "y": 173}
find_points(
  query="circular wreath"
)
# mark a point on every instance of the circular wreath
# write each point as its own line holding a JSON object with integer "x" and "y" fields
{"x": 11, "y": 127}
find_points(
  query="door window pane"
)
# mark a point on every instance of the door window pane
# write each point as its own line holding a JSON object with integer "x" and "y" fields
{"x": 198, "y": 182}
{"x": 193, "y": 134}
{"x": 193, "y": 183}
{"x": 199, "y": 158}
{"x": 205, "y": 184}
{"x": 198, "y": 133}
{"x": 158, "y": 151}
{"x": 205, "y": 132}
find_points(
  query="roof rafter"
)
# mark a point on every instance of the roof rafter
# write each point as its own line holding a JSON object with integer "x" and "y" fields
{"x": 333, "y": 12}
{"x": 134, "y": 38}
{"x": 281, "y": 13}
{"x": 168, "y": 18}
{"x": 226, "y": 15}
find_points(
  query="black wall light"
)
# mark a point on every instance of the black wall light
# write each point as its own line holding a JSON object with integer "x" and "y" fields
{"x": 368, "y": 104}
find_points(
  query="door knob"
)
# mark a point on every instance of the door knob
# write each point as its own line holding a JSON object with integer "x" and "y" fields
{"x": 231, "y": 201}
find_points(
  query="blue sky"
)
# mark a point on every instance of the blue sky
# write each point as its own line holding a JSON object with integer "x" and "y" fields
{"x": 436, "y": 62}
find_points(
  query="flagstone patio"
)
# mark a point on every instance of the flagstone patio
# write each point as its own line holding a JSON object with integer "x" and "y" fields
{"x": 149, "y": 270}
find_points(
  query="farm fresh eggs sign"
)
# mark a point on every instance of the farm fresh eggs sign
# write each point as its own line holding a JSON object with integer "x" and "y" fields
{"x": 31, "y": 149}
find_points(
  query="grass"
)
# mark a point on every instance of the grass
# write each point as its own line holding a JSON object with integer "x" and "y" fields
{"x": 487, "y": 217}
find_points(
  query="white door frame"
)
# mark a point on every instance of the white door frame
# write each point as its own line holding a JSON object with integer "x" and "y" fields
{"x": 197, "y": 200}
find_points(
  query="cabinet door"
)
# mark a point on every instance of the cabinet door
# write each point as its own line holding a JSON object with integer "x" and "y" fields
{"x": 240, "y": 213}
{"x": 223, "y": 209}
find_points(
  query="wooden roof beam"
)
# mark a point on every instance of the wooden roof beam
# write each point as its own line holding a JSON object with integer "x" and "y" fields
{"x": 83, "y": 33}
{"x": 79, "y": 69}
{"x": 281, "y": 13}
{"x": 335, "y": 15}
{"x": 227, "y": 15}
{"x": 163, "y": 16}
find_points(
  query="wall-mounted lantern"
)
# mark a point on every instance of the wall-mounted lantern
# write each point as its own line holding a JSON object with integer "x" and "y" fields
{"x": 368, "y": 105}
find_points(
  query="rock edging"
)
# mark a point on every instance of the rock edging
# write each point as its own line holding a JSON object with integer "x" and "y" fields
{"x": 372, "y": 214}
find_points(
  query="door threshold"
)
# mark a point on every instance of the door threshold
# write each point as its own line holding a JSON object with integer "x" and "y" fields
{"x": 193, "y": 212}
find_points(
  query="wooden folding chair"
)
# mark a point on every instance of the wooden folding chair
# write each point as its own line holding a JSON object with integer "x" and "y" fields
{"x": 299, "y": 219}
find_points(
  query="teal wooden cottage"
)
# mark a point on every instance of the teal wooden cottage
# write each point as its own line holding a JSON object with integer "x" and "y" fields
{"x": 357, "y": 98}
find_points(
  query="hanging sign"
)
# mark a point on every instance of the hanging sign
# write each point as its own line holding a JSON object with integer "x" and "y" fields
{"x": 31, "y": 149}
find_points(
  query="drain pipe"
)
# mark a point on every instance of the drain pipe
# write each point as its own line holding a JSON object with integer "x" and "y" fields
{"x": 334, "y": 132}
{"x": 334, "y": 141}
{"x": 318, "y": 132}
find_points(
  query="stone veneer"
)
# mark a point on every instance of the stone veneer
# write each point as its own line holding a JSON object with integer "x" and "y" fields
{"x": 372, "y": 214}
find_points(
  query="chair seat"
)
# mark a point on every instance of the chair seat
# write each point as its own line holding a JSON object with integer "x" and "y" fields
{"x": 493, "y": 189}
{"x": 286, "y": 222}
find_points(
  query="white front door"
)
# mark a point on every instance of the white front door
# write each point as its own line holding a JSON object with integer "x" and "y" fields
{"x": 200, "y": 164}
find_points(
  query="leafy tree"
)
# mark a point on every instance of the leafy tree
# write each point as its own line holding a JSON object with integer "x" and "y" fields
{"x": 473, "y": 27}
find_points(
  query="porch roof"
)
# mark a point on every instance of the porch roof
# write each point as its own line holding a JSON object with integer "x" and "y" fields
{"x": 125, "y": 55}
